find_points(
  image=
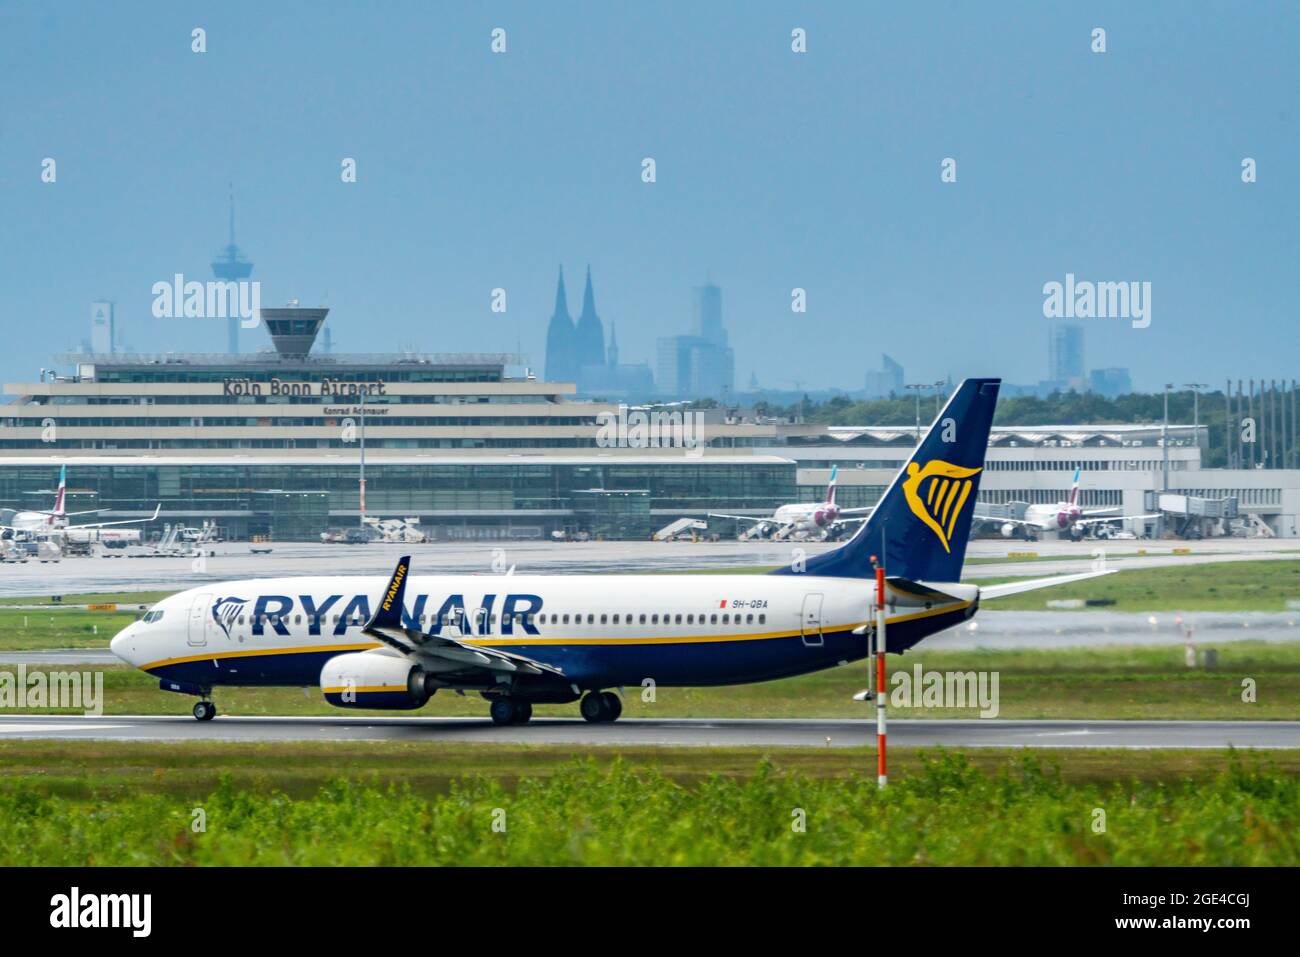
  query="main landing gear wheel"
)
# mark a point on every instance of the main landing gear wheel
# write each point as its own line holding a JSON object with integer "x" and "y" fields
{"x": 510, "y": 711}
{"x": 205, "y": 711}
{"x": 601, "y": 706}
{"x": 613, "y": 706}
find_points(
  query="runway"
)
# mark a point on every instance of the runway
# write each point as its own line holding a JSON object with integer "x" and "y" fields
{"x": 675, "y": 732}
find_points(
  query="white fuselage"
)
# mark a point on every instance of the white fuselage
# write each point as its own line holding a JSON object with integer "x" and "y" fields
{"x": 600, "y": 631}
{"x": 807, "y": 516}
{"x": 36, "y": 522}
{"x": 1053, "y": 518}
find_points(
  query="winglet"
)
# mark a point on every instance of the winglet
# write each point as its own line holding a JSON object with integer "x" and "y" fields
{"x": 389, "y": 612}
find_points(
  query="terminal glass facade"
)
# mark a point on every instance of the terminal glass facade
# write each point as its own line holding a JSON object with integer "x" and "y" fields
{"x": 298, "y": 500}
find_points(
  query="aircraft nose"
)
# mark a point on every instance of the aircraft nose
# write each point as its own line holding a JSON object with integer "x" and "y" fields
{"x": 122, "y": 645}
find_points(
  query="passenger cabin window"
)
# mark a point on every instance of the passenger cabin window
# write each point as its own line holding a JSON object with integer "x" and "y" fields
{"x": 762, "y": 619}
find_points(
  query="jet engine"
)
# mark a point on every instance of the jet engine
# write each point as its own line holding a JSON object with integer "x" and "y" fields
{"x": 1008, "y": 530}
{"x": 371, "y": 679}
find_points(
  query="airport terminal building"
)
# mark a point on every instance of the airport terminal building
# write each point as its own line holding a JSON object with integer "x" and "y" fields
{"x": 270, "y": 444}
{"x": 1122, "y": 467}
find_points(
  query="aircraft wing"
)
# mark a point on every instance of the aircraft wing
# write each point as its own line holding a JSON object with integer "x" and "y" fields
{"x": 1015, "y": 588}
{"x": 386, "y": 625}
{"x": 1000, "y": 518}
{"x": 1112, "y": 518}
{"x": 128, "y": 521}
{"x": 741, "y": 518}
{"x": 864, "y": 511}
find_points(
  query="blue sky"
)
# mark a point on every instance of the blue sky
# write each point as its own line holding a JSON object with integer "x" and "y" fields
{"x": 775, "y": 171}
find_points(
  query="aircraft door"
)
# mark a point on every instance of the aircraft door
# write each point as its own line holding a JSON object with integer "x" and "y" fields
{"x": 812, "y": 620}
{"x": 198, "y": 630}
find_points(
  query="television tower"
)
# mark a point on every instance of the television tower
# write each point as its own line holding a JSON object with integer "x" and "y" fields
{"x": 230, "y": 266}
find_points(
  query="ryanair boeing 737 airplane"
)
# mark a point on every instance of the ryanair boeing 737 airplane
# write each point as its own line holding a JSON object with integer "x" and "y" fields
{"x": 519, "y": 640}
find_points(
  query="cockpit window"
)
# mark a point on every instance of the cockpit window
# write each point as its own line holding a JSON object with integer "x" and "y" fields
{"x": 152, "y": 616}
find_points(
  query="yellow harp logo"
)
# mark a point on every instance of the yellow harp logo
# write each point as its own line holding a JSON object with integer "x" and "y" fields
{"x": 936, "y": 494}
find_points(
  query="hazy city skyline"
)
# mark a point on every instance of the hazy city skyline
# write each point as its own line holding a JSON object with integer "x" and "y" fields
{"x": 775, "y": 171}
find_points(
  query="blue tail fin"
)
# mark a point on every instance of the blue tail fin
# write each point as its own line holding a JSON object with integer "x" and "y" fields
{"x": 923, "y": 520}
{"x": 389, "y": 612}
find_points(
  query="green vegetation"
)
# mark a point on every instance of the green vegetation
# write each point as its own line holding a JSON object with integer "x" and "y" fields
{"x": 339, "y": 807}
{"x": 190, "y": 769}
{"x": 1145, "y": 682}
{"x": 1264, "y": 585}
{"x": 31, "y": 629}
{"x": 133, "y": 598}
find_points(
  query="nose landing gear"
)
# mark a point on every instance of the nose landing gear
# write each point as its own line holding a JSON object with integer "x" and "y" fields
{"x": 205, "y": 711}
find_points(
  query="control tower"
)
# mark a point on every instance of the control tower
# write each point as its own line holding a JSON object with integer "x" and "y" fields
{"x": 230, "y": 266}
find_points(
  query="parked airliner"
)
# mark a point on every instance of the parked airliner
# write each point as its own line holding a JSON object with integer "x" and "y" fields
{"x": 54, "y": 523}
{"x": 371, "y": 642}
{"x": 803, "y": 519}
{"x": 1067, "y": 517}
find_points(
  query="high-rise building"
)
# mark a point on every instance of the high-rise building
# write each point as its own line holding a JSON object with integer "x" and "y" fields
{"x": 706, "y": 314}
{"x": 1111, "y": 382}
{"x": 888, "y": 381}
{"x": 231, "y": 266}
{"x": 103, "y": 334}
{"x": 1065, "y": 355}
{"x": 700, "y": 365}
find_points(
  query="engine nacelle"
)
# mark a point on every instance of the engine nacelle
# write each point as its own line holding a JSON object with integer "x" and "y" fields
{"x": 1009, "y": 530}
{"x": 370, "y": 679}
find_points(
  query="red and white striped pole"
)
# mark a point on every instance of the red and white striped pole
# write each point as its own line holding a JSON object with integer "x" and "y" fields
{"x": 881, "y": 776}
